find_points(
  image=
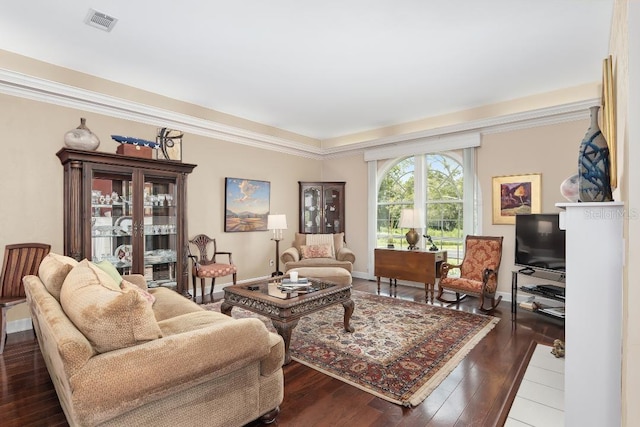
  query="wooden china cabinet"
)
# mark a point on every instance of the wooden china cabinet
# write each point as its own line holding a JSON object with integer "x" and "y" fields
{"x": 130, "y": 211}
{"x": 321, "y": 207}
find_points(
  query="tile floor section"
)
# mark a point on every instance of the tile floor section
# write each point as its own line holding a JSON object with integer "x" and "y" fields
{"x": 539, "y": 401}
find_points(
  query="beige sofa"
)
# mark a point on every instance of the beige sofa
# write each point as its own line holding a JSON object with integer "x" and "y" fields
{"x": 124, "y": 355}
{"x": 318, "y": 250}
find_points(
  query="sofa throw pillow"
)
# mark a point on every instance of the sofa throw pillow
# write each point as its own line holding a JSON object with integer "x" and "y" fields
{"x": 110, "y": 269}
{"x": 321, "y": 239}
{"x": 108, "y": 316}
{"x": 316, "y": 251}
{"x": 53, "y": 270}
{"x": 130, "y": 287}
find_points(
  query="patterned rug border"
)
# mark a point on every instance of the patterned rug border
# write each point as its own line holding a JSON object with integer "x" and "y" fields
{"x": 432, "y": 383}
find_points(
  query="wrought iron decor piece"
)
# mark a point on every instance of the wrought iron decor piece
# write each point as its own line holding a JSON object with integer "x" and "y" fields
{"x": 169, "y": 144}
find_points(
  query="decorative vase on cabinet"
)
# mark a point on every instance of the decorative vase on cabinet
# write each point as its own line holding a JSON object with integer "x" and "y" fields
{"x": 593, "y": 164}
{"x": 321, "y": 207}
{"x": 129, "y": 211}
{"x": 81, "y": 138}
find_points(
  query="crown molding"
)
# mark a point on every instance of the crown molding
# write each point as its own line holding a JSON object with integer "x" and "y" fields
{"x": 38, "y": 89}
{"x": 510, "y": 122}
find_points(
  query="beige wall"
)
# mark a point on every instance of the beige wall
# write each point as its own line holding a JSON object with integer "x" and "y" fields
{"x": 352, "y": 170}
{"x": 32, "y": 186}
{"x": 34, "y": 179}
{"x": 551, "y": 151}
{"x": 625, "y": 51}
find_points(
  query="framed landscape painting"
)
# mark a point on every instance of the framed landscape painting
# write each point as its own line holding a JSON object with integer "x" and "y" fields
{"x": 515, "y": 194}
{"x": 246, "y": 204}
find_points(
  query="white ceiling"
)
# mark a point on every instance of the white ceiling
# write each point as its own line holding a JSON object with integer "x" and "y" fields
{"x": 328, "y": 68}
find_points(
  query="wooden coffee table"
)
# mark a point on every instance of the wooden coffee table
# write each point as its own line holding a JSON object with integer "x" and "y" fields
{"x": 285, "y": 310}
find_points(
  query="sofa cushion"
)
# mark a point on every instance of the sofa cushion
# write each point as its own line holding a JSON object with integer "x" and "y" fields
{"x": 316, "y": 251}
{"x": 128, "y": 286}
{"x": 110, "y": 269}
{"x": 336, "y": 240}
{"x": 192, "y": 321}
{"x": 53, "y": 270}
{"x": 110, "y": 317}
{"x": 319, "y": 262}
{"x": 170, "y": 304}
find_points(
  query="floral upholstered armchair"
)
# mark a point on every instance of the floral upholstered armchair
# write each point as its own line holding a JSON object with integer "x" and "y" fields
{"x": 478, "y": 271}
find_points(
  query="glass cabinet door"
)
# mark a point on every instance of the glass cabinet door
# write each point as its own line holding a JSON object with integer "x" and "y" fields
{"x": 112, "y": 227}
{"x": 160, "y": 216}
{"x": 135, "y": 230}
{"x": 321, "y": 207}
{"x": 311, "y": 209}
{"x": 333, "y": 206}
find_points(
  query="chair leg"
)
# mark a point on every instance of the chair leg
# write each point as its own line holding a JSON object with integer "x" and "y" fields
{"x": 494, "y": 303}
{"x": 457, "y": 300}
{"x": 234, "y": 278}
{"x": 3, "y": 328}
{"x": 213, "y": 285}
{"x": 193, "y": 282}
{"x": 202, "y": 280}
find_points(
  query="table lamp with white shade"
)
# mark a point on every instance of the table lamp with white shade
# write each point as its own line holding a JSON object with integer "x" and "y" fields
{"x": 411, "y": 219}
{"x": 277, "y": 223}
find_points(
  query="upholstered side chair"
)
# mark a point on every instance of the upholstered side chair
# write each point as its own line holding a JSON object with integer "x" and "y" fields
{"x": 478, "y": 272}
{"x": 206, "y": 266}
{"x": 21, "y": 259}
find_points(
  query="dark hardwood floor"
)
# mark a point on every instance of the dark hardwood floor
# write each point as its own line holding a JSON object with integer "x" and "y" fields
{"x": 476, "y": 393}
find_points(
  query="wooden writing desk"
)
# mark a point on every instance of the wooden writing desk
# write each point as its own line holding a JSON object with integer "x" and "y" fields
{"x": 415, "y": 266}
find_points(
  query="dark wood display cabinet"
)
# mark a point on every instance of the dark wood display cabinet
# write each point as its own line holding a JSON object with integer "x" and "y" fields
{"x": 130, "y": 211}
{"x": 321, "y": 207}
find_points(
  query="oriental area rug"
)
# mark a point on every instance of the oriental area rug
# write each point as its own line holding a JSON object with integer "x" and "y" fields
{"x": 400, "y": 350}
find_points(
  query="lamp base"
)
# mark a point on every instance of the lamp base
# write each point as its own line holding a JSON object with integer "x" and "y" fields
{"x": 277, "y": 272}
{"x": 412, "y": 238}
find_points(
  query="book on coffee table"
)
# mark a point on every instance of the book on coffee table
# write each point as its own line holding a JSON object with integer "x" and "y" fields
{"x": 300, "y": 281}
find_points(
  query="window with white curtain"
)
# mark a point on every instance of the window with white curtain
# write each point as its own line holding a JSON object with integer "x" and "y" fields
{"x": 436, "y": 176}
{"x": 433, "y": 184}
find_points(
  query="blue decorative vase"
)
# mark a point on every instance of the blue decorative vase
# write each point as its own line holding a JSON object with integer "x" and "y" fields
{"x": 594, "y": 178}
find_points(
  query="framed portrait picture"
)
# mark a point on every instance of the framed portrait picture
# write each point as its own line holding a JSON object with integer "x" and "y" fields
{"x": 246, "y": 204}
{"x": 515, "y": 194}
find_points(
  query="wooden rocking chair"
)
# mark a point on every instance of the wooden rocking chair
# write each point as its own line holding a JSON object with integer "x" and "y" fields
{"x": 478, "y": 271}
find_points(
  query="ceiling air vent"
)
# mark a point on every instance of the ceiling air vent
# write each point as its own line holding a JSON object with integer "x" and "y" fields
{"x": 100, "y": 20}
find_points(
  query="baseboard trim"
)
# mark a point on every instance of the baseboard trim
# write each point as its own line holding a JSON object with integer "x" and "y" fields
{"x": 19, "y": 325}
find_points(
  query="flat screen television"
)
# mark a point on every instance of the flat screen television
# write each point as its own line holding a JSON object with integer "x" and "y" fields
{"x": 540, "y": 244}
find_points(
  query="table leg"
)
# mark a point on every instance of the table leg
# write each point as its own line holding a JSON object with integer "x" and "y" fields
{"x": 348, "y": 305}
{"x": 378, "y": 284}
{"x": 284, "y": 330}
{"x": 225, "y": 308}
